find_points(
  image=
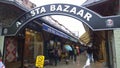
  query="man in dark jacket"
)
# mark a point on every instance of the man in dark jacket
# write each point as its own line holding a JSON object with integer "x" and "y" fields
{"x": 90, "y": 53}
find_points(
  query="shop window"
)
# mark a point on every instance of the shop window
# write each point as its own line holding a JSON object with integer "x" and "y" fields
{"x": 33, "y": 46}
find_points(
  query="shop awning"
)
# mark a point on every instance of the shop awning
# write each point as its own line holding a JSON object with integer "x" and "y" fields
{"x": 54, "y": 31}
{"x": 85, "y": 38}
{"x": 57, "y": 32}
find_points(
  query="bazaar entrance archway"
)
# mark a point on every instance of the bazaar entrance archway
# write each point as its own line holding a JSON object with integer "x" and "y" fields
{"x": 90, "y": 18}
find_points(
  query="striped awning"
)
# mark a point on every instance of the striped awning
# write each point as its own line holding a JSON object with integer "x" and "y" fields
{"x": 85, "y": 38}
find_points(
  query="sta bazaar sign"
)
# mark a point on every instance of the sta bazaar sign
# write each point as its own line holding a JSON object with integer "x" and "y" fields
{"x": 64, "y": 9}
{"x": 88, "y": 17}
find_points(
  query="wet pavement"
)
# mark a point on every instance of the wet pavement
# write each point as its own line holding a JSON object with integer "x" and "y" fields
{"x": 81, "y": 61}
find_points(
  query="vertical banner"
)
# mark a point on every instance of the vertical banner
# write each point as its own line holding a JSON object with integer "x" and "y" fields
{"x": 11, "y": 44}
{"x": 1, "y": 44}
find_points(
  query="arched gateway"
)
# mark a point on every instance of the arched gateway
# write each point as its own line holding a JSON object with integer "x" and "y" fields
{"x": 90, "y": 18}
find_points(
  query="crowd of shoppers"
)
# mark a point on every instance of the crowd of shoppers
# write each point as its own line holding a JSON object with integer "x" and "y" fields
{"x": 57, "y": 55}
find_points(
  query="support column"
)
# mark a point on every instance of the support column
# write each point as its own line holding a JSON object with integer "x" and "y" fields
{"x": 117, "y": 48}
{"x": 0, "y": 31}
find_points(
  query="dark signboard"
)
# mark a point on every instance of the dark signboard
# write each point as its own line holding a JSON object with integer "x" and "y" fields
{"x": 54, "y": 31}
{"x": 90, "y": 18}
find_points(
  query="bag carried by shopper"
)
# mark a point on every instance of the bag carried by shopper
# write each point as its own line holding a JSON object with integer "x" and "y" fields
{"x": 87, "y": 65}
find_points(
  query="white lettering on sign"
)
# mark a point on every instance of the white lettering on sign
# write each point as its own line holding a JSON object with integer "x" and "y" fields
{"x": 52, "y": 8}
{"x": 18, "y": 24}
{"x": 42, "y": 10}
{"x": 32, "y": 13}
{"x": 59, "y": 8}
{"x": 87, "y": 16}
{"x": 63, "y": 8}
{"x": 38, "y": 11}
{"x": 73, "y": 10}
{"x": 80, "y": 12}
{"x": 67, "y": 8}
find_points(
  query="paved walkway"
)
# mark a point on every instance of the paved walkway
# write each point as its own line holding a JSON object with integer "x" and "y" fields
{"x": 81, "y": 60}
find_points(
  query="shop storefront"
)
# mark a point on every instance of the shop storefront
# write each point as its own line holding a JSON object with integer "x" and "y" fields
{"x": 21, "y": 50}
{"x": 33, "y": 39}
{"x": 13, "y": 51}
{"x": 105, "y": 40}
{"x": 33, "y": 46}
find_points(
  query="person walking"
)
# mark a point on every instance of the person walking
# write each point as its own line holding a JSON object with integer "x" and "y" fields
{"x": 51, "y": 55}
{"x": 59, "y": 54}
{"x": 75, "y": 54}
{"x": 89, "y": 53}
{"x": 1, "y": 63}
{"x": 95, "y": 53}
{"x": 56, "y": 56}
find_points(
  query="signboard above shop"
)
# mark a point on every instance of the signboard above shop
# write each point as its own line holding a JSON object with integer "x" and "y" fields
{"x": 54, "y": 31}
{"x": 57, "y": 32}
